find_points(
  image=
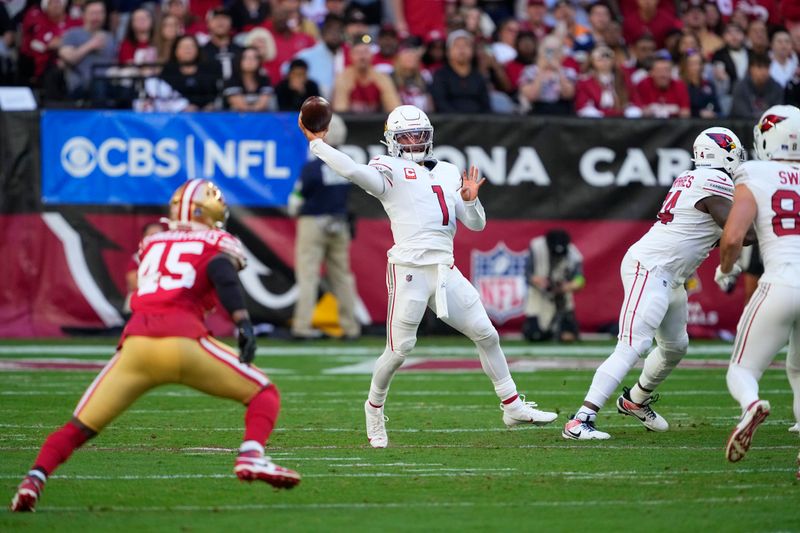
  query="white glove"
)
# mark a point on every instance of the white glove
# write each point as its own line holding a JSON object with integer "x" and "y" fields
{"x": 727, "y": 280}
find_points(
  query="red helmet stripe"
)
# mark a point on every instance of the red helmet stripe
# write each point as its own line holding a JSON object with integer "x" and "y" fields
{"x": 186, "y": 200}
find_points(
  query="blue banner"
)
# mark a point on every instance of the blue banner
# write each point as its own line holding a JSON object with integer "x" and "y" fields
{"x": 123, "y": 157}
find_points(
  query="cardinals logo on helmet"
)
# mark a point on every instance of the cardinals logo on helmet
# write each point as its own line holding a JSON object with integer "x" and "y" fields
{"x": 723, "y": 140}
{"x": 769, "y": 121}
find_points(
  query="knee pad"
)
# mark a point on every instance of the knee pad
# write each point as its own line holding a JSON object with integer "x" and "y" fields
{"x": 675, "y": 349}
{"x": 620, "y": 362}
{"x": 484, "y": 332}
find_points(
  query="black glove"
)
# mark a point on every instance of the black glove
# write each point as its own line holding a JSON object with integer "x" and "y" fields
{"x": 247, "y": 342}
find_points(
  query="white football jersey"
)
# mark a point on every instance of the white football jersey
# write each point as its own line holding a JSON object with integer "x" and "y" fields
{"x": 421, "y": 200}
{"x": 776, "y": 189}
{"x": 684, "y": 235}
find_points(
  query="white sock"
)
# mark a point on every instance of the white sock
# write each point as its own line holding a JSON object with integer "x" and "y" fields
{"x": 385, "y": 367}
{"x": 251, "y": 446}
{"x": 638, "y": 394}
{"x": 590, "y": 413}
{"x": 505, "y": 388}
{"x": 610, "y": 374}
{"x": 743, "y": 385}
{"x": 38, "y": 474}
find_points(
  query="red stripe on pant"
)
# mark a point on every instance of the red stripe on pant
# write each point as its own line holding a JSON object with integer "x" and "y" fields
{"x": 749, "y": 324}
{"x": 633, "y": 317}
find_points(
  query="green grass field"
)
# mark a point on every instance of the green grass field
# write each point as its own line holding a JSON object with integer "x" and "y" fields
{"x": 451, "y": 465}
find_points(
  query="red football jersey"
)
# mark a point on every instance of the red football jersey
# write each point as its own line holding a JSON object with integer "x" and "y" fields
{"x": 174, "y": 291}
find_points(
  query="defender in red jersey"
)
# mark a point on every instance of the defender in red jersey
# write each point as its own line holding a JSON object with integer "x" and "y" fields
{"x": 181, "y": 274}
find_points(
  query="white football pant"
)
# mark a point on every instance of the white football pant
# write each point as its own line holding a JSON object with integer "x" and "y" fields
{"x": 651, "y": 308}
{"x": 411, "y": 291}
{"x": 770, "y": 320}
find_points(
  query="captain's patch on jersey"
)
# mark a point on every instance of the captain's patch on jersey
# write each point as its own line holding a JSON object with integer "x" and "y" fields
{"x": 499, "y": 276}
{"x": 411, "y": 174}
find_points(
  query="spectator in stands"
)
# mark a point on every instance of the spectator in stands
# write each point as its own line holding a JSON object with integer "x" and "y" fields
{"x": 757, "y": 91}
{"x": 554, "y": 272}
{"x": 418, "y": 17}
{"x": 362, "y": 89}
{"x": 576, "y": 37}
{"x": 702, "y": 95}
{"x": 784, "y": 60}
{"x": 42, "y": 30}
{"x": 435, "y": 53}
{"x": 293, "y": 90}
{"x": 186, "y": 73}
{"x": 409, "y": 79}
{"x": 189, "y": 23}
{"x": 138, "y": 46}
{"x": 695, "y": 22}
{"x": 729, "y": 65}
{"x": 323, "y": 234}
{"x": 603, "y": 91}
{"x": 325, "y": 60}
{"x": 687, "y": 42}
{"x": 289, "y": 40}
{"x": 661, "y": 96}
{"x": 714, "y": 21}
{"x": 261, "y": 39}
{"x": 535, "y": 21}
{"x": 548, "y": 87}
{"x": 336, "y": 7}
{"x": 648, "y": 18}
{"x": 458, "y": 87}
{"x": 600, "y": 24}
{"x": 297, "y": 21}
{"x": 355, "y": 24}
{"x": 526, "y": 56}
{"x": 496, "y": 79}
{"x": 388, "y": 44}
{"x": 637, "y": 67}
{"x": 220, "y": 49}
{"x": 791, "y": 94}
{"x": 84, "y": 47}
{"x": 169, "y": 29}
{"x": 758, "y": 37}
{"x": 248, "y": 89}
{"x": 504, "y": 48}
{"x": 247, "y": 14}
{"x": 476, "y": 21}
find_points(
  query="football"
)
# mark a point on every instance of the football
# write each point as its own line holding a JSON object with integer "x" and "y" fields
{"x": 316, "y": 113}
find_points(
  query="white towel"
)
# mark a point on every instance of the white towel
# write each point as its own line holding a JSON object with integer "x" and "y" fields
{"x": 442, "y": 273}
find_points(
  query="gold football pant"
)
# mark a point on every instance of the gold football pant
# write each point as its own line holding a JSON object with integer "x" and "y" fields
{"x": 143, "y": 363}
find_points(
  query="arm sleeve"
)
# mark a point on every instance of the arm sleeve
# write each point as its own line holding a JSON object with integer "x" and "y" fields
{"x": 223, "y": 276}
{"x": 366, "y": 177}
{"x": 471, "y": 214}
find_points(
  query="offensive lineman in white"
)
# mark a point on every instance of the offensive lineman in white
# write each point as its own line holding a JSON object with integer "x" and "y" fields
{"x": 653, "y": 273}
{"x": 423, "y": 198}
{"x": 767, "y": 193}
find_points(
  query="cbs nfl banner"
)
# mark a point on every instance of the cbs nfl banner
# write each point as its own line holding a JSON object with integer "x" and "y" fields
{"x": 101, "y": 157}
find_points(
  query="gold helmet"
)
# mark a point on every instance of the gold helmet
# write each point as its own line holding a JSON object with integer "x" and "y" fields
{"x": 198, "y": 202}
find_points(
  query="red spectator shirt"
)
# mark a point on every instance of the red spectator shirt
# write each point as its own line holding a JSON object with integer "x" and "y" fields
{"x": 37, "y": 31}
{"x": 589, "y": 93}
{"x": 174, "y": 292}
{"x": 138, "y": 53}
{"x": 662, "y": 103}
{"x": 365, "y": 98}
{"x": 424, "y": 16}
{"x": 286, "y": 46}
{"x": 634, "y": 27}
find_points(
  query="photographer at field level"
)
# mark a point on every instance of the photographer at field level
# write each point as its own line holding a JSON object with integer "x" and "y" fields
{"x": 553, "y": 271}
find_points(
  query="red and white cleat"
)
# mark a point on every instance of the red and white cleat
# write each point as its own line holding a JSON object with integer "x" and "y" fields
{"x": 742, "y": 435}
{"x": 27, "y": 494}
{"x": 252, "y": 466}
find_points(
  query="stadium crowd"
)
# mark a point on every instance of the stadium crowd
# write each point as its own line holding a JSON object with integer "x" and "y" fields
{"x": 633, "y": 58}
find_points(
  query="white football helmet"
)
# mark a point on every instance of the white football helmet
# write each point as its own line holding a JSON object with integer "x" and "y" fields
{"x": 777, "y": 134}
{"x": 718, "y": 148}
{"x": 408, "y": 133}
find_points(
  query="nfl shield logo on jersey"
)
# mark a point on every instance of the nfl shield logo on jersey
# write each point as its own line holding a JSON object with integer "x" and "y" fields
{"x": 499, "y": 276}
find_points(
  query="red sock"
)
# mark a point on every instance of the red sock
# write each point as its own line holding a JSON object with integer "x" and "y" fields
{"x": 59, "y": 446}
{"x": 262, "y": 412}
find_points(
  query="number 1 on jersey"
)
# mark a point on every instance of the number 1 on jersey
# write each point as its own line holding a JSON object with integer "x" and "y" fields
{"x": 665, "y": 215}
{"x": 437, "y": 189}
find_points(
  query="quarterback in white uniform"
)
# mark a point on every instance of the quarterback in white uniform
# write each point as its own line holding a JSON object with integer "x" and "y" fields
{"x": 424, "y": 198}
{"x": 768, "y": 196}
{"x": 653, "y": 274}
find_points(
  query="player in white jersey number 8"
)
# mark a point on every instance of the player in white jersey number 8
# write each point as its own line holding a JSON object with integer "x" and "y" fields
{"x": 768, "y": 196}
{"x": 653, "y": 273}
{"x": 424, "y": 198}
